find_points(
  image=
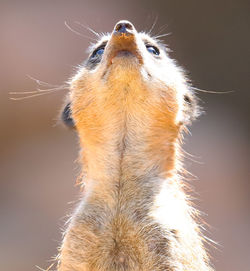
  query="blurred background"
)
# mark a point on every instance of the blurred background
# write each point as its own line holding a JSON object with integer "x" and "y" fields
{"x": 210, "y": 39}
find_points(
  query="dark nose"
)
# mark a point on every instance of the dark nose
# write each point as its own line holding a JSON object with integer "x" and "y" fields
{"x": 124, "y": 27}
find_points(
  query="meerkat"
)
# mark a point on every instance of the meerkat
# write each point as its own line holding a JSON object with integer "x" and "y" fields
{"x": 130, "y": 103}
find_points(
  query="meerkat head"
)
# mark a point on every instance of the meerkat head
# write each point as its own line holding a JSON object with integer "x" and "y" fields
{"x": 127, "y": 66}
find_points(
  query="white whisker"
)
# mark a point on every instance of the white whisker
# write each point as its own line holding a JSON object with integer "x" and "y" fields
{"x": 53, "y": 89}
{"x": 88, "y": 28}
{"x": 76, "y": 32}
{"x": 31, "y": 96}
{"x": 38, "y": 91}
{"x": 163, "y": 35}
{"x": 153, "y": 25}
{"x": 212, "y": 91}
{"x": 27, "y": 92}
{"x": 41, "y": 83}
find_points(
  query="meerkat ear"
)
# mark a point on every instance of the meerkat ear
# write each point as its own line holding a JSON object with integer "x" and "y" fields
{"x": 191, "y": 108}
{"x": 66, "y": 116}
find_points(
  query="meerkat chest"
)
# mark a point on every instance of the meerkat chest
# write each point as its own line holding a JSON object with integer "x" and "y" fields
{"x": 123, "y": 238}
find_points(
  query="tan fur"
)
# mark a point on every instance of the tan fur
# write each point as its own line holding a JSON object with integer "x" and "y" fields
{"x": 129, "y": 112}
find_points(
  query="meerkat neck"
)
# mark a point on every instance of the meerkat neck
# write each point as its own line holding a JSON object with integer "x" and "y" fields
{"x": 130, "y": 161}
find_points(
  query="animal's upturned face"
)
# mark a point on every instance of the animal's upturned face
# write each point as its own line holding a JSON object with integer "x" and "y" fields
{"x": 130, "y": 72}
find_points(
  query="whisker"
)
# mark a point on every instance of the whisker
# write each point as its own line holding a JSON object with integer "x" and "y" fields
{"x": 213, "y": 92}
{"x": 53, "y": 89}
{"x": 26, "y": 92}
{"x": 153, "y": 25}
{"x": 163, "y": 35}
{"x": 48, "y": 268}
{"x": 40, "y": 268}
{"x": 28, "y": 97}
{"x": 39, "y": 90}
{"x": 76, "y": 32}
{"x": 36, "y": 93}
{"x": 41, "y": 83}
{"x": 162, "y": 28}
{"x": 88, "y": 28}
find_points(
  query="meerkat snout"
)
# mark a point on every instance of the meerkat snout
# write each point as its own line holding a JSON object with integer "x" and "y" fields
{"x": 124, "y": 27}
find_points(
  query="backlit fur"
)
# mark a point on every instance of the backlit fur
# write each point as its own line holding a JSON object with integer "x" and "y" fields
{"x": 129, "y": 110}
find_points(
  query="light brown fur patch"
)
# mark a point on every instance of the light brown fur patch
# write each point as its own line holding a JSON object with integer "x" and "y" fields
{"x": 129, "y": 111}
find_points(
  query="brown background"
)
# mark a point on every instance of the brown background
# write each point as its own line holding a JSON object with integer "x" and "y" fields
{"x": 209, "y": 38}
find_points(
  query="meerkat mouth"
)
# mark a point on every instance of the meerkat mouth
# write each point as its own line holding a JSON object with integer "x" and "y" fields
{"x": 126, "y": 55}
{"x": 123, "y": 54}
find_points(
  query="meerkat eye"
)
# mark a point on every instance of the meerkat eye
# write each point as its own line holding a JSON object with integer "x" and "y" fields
{"x": 98, "y": 52}
{"x": 152, "y": 49}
